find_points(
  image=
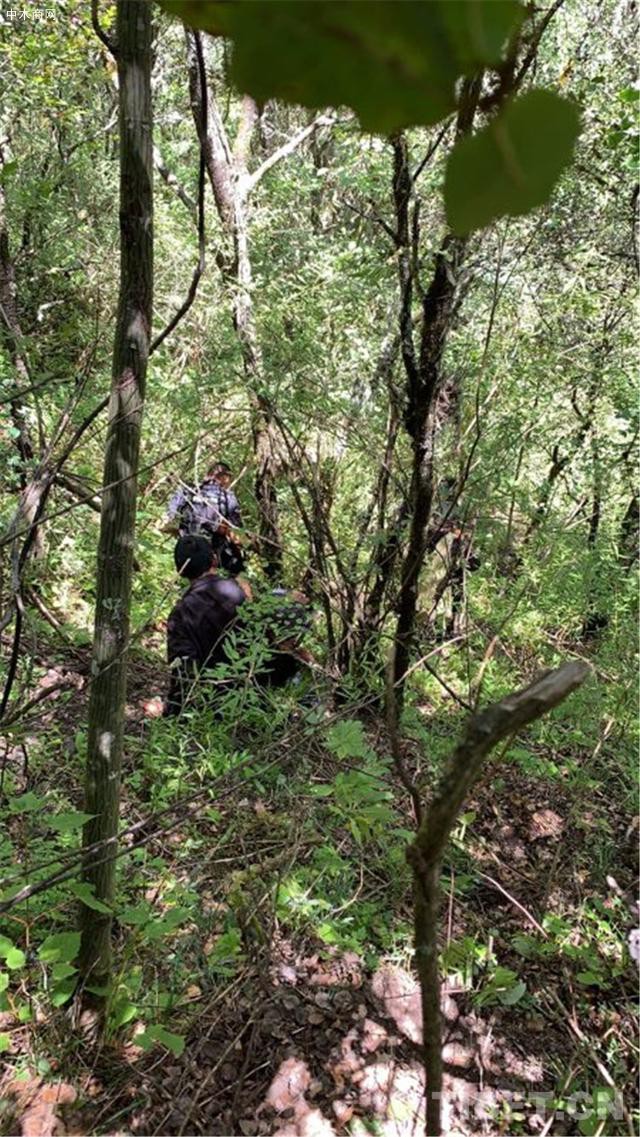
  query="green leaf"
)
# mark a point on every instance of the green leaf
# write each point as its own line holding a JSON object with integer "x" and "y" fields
{"x": 347, "y": 740}
{"x": 322, "y": 790}
{"x": 62, "y": 992}
{"x": 26, "y": 803}
{"x": 167, "y": 924}
{"x": 589, "y": 978}
{"x": 394, "y": 64}
{"x": 512, "y": 165}
{"x": 60, "y": 948}
{"x": 13, "y": 956}
{"x": 62, "y": 971}
{"x": 4, "y": 980}
{"x": 122, "y": 1013}
{"x": 15, "y": 959}
{"x": 85, "y": 892}
{"x": 138, "y": 915}
{"x": 5, "y": 946}
{"x": 173, "y": 1042}
{"x": 68, "y": 822}
{"x": 5, "y": 1043}
{"x": 525, "y": 945}
{"x": 513, "y": 994}
{"x": 7, "y": 171}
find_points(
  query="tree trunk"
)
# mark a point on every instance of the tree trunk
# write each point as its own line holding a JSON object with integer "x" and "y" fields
{"x": 483, "y": 731}
{"x": 420, "y": 421}
{"x": 117, "y": 521}
{"x": 228, "y": 174}
{"x": 629, "y": 534}
{"x": 424, "y": 376}
{"x": 11, "y": 339}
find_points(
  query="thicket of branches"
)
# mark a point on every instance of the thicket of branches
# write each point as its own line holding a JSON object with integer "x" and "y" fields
{"x": 433, "y": 434}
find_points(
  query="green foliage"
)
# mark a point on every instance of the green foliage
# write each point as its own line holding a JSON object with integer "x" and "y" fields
{"x": 62, "y": 947}
{"x": 510, "y": 166}
{"x": 502, "y": 987}
{"x": 227, "y": 953}
{"x": 591, "y": 945}
{"x": 346, "y": 739}
{"x": 157, "y": 1033}
{"x": 25, "y": 803}
{"x": 13, "y": 957}
{"x": 309, "y": 788}
{"x": 69, "y": 822}
{"x": 395, "y": 64}
{"x": 85, "y": 893}
{"x": 624, "y": 134}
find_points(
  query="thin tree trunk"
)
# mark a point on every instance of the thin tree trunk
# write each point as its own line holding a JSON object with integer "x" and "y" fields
{"x": 12, "y": 339}
{"x": 228, "y": 175}
{"x": 117, "y": 521}
{"x": 424, "y": 380}
{"x": 629, "y": 534}
{"x": 483, "y": 732}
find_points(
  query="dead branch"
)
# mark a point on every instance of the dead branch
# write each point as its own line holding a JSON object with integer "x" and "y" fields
{"x": 250, "y": 182}
{"x": 199, "y": 269}
{"x": 483, "y": 732}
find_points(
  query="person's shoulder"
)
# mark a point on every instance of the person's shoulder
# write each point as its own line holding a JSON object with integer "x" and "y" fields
{"x": 226, "y": 589}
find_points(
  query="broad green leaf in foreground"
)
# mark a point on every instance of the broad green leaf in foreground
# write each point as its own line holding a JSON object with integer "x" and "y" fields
{"x": 26, "y": 803}
{"x": 173, "y": 1042}
{"x": 394, "y": 64}
{"x": 510, "y": 166}
{"x": 85, "y": 892}
{"x": 60, "y": 948}
{"x": 14, "y": 957}
{"x": 70, "y": 821}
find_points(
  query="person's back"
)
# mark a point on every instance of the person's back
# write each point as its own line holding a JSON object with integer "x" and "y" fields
{"x": 196, "y": 626}
{"x": 211, "y": 510}
{"x": 198, "y": 623}
{"x": 280, "y": 620}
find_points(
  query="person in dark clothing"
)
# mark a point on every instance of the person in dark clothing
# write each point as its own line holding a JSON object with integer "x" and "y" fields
{"x": 198, "y": 623}
{"x": 285, "y": 620}
{"x": 212, "y": 510}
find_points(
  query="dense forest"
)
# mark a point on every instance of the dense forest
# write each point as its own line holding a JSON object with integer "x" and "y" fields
{"x": 319, "y": 525}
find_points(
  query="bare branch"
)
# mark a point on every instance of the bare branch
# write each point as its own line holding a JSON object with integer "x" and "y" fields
{"x": 534, "y": 44}
{"x": 484, "y": 731}
{"x": 213, "y": 136}
{"x": 199, "y": 269}
{"x": 74, "y": 486}
{"x": 172, "y": 181}
{"x": 250, "y": 182}
{"x": 108, "y": 42}
{"x": 431, "y": 150}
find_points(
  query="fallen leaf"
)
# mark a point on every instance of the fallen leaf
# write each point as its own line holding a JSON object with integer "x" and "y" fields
{"x": 545, "y": 823}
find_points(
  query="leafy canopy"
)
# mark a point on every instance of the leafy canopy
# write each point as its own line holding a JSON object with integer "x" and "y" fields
{"x": 398, "y": 65}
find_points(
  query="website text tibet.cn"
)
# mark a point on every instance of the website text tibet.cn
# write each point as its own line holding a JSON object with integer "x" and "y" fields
{"x": 26, "y": 15}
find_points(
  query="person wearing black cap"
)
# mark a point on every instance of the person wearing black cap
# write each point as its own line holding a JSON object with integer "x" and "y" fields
{"x": 198, "y": 623}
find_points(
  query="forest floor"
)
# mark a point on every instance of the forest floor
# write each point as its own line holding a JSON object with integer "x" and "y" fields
{"x": 285, "y": 989}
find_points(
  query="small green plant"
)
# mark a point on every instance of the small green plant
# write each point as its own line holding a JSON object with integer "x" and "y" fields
{"x": 474, "y": 966}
